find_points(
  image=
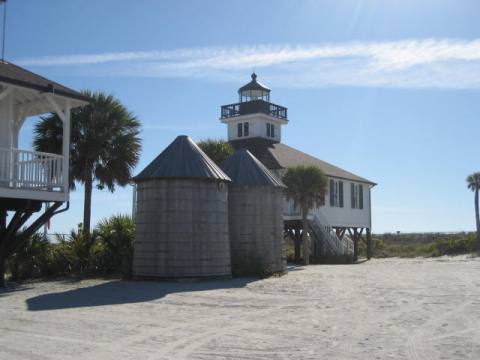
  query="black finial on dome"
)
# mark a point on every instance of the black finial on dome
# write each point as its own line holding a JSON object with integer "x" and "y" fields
{"x": 254, "y": 85}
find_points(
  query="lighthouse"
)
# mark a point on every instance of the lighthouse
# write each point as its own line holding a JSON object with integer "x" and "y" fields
{"x": 254, "y": 116}
{"x": 255, "y": 124}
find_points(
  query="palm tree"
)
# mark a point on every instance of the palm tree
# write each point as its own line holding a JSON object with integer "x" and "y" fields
{"x": 473, "y": 183}
{"x": 217, "y": 150}
{"x": 105, "y": 146}
{"x": 306, "y": 186}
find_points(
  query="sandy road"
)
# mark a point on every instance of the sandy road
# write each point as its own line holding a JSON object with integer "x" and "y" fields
{"x": 382, "y": 309}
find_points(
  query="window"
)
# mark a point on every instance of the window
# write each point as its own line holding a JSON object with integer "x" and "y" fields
{"x": 356, "y": 196}
{"x": 245, "y": 129}
{"x": 239, "y": 129}
{"x": 270, "y": 130}
{"x": 336, "y": 193}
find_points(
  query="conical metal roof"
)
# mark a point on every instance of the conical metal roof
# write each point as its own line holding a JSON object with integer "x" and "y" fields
{"x": 245, "y": 169}
{"x": 182, "y": 159}
{"x": 254, "y": 85}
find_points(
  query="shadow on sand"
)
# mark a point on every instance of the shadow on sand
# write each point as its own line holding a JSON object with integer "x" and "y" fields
{"x": 13, "y": 288}
{"x": 126, "y": 292}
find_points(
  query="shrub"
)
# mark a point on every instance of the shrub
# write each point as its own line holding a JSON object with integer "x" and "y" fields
{"x": 250, "y": 266}
{"x": 289, "y": 249}
{"x": 412, "y": 245}
{"x": 30, "y": 259}
{"x": 113, "y": 251}
{"x": 109, "y": 251}
{"x": 77, "y": 250}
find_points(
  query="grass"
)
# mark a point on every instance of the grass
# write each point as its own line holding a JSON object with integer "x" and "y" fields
{"x": 411, "y": 245}
{"x": 421, "y": 245}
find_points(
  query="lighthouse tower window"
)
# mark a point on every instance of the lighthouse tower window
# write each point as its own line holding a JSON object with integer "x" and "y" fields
{"x": 270, "y": 130}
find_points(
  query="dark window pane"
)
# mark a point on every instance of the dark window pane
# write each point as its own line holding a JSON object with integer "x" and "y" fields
{"x": 352, "y": 195}
{"x": 332, "y": 192}
{"x": 245, "y": 129}
{"x": 340, "y": 193}
{"x": 239, "y": 130}
{"x": 360, "y": 194}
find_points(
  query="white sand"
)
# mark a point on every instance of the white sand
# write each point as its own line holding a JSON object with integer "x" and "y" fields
{"x": 382, "y": 309}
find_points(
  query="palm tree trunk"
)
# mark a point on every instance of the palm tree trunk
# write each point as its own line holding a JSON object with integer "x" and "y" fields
{"x": 2, "y": 270}
{"x": 306, "y": 252}
{"x": 477, "y": 218}
{"x": 87, "y": 206}
{"x": 3, "y": 255}
{"x": 298, "y": 244}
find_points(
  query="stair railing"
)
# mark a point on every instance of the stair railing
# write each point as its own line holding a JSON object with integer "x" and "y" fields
{"x": 334, "y": 245}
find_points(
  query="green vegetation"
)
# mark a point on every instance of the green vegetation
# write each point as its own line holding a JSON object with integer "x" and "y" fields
{"x": 406, "y": 245}
{"x": 108, "y": 251}
{"x": 105, "y": 146}
{"x": 306, "y": 186}
{"x": 217, "y": 150}
{"x": 420, "y": 245}
{"x": 251, "y": 266}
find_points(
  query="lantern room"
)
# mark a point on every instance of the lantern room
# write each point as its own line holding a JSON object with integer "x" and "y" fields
{"x": 254, "y": 90}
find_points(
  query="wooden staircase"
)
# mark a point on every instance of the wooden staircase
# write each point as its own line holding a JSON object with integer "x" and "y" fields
{"x": 325, "y": 242}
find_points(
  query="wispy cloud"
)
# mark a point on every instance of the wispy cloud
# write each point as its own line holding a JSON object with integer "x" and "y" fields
{"x": 176, "y": 128}
{"x": 437, "y": 63}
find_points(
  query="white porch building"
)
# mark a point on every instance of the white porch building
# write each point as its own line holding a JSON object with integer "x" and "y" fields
{"x": 27, "y": 174}
{"x": 29, "y": 179}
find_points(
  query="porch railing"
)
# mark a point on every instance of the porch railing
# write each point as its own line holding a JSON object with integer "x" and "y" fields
{"x": 289, "y": 209}
{"x": 253, "y": 107}
{"x": 33, "y": 170}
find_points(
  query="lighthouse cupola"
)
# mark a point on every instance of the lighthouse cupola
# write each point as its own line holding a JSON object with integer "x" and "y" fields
{"x": 254, "y": 115}
{"x": 254, "y": 91}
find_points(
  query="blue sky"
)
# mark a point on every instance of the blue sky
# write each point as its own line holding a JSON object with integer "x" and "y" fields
{"x": 386, "y": 89}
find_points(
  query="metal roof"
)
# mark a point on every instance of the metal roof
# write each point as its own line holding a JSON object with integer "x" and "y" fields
{"x": 15, "y": 75}
{"x": 254, "y": 85}
{"x": 280, "y": 156}
{"x": 245, "y": 169}
{"x": 182, "y": 159}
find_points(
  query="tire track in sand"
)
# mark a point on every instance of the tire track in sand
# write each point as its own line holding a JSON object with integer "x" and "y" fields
{"x": 417, "y": 347}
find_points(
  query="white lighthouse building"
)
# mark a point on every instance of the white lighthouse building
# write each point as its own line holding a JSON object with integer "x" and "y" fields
{"x": 254, "y": 123}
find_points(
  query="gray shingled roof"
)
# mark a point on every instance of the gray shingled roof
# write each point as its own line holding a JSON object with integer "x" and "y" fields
{"x": 15, "y": 75}
{"x": 280, "y": 156}
{"x": 182, "y": 159}
{"x": 245, "y": 169}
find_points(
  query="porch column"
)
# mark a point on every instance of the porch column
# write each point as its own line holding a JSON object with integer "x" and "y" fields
{"x": 369, "y": 244}
{"x": 6, "y": 135}
{"x": 66, "y": 147}
{"x": 355, "y": 244}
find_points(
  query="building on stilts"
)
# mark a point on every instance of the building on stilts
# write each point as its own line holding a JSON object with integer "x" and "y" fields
{"x": 30, "y": 180}
{"x": 336, "y": 229}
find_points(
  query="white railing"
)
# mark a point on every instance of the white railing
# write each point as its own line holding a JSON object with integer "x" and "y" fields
{"x": 289, "y": 209}
{"x": 335, "y": 245}
{"x": 33, "y": 170}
